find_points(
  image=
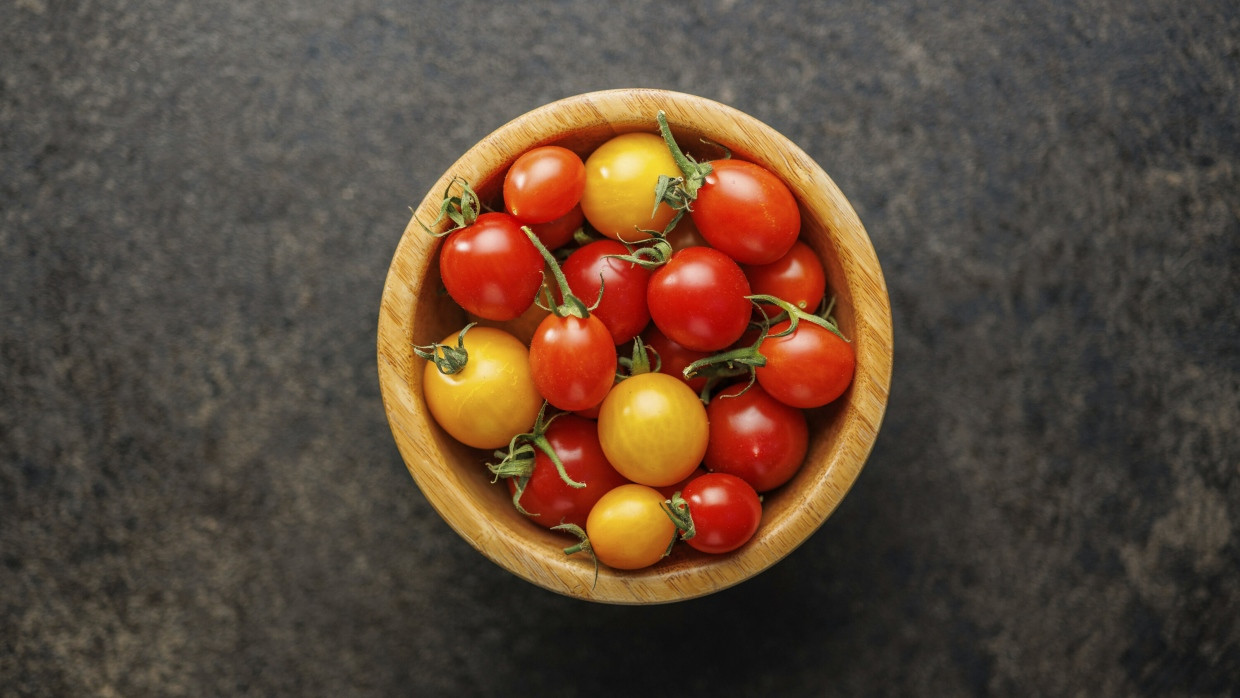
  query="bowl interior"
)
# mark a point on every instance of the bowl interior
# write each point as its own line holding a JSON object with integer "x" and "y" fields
{"x": 454, "y": 478}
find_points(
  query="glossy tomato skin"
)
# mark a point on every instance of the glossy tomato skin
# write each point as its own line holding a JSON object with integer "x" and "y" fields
{"x": 628, "y": 528}
{"x": 747, "y": 212}
{"x": 673, "y": 357}
{"x": 797, "y": 277}
{"x": 489, "y": 401}
{"x": 490, "y": 268}
{"x": 544, "y": 184}
{"x": 622, "y": 307}
{"x": 653, "y": 429}
{"x": 726, "y": 512}
{"x": 573, "y": 361}
{"x": 548, "y": 499}
{"x": 755, "y": 437}
{"x": 557, "y": 233}
{"x": 808, "y": 368}
{"x": 621, "y": 176}
{"x": 698, "y": 299}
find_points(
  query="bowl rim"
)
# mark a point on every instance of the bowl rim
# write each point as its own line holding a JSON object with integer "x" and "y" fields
{"x": 862, "y": 411}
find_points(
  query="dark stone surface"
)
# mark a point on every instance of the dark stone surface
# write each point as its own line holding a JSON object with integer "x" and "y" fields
{"x": 199, "y": 494}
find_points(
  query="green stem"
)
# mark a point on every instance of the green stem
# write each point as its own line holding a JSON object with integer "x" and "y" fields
{"x": 796, "y": 314}
{"x": 582, "y": 545}
{"x": 544, "y": 445}
{"x": 651, "y": 257}
{"x": 694, "y": 172}
{"x": 570, "y": 305}
{"x": 742, "y": 356}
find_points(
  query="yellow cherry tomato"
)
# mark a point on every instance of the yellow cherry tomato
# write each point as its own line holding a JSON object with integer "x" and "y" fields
{"x": 653, "y": 429}
{"x": 492, "y": 399}
{"x": 621, "y": 176}
{"x": 628, "y": 528}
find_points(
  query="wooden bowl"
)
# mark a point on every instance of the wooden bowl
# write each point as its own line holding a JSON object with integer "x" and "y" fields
{"x": 454, "y": 477}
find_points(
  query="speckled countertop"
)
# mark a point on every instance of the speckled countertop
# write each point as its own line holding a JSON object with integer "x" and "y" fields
{"x": 199, "y": 493}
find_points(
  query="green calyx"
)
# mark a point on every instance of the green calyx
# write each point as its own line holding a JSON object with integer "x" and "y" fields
{"x": 448, "y": 359}
{"x": 638, "y": 362}
{"x": 677, "y": 509}
{"x": 518, "y": 460}
{"x": 462, "y": 209}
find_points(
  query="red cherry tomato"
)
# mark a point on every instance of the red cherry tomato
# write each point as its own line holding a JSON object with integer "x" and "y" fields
{"x": 549, "y": 500}
{"x": 726, "y": 512}
{"x": 623, "y": 305}
{"x": 491, "y": 268}
{"x": 810, "y": 367}
{"x": 557, "y": 233}
{"x": 797, "y": 277}
{"x": 673, "y": 358}
{"x": 544, "y": 184}
{"x": 747, "y": 212}
{"x": 755, "y": 437}
{"x": 698, "y": 299}
{"x": 573, "y": 361}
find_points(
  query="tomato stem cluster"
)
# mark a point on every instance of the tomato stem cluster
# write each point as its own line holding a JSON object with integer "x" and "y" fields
{"x": 639, "y": 361}
{"x": 678, "y": 511}
{"x": 448, "y": 359}
{"x": 679, "y": 192}
{"x": 651, "y": 256}
{"x": 570, "y": 304}
{"x": 462, "y": 210}
{"x": 518, "y": 461}
{"x": 747, "y": 359}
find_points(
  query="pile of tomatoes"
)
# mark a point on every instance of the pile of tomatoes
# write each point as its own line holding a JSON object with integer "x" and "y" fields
{"x": 681, "y": 335}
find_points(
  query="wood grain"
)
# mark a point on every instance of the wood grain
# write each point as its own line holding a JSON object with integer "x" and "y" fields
{"x": 454, "y": 478}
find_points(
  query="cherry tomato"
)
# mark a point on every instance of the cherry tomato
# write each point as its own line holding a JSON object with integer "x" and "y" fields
{"x": 747, "y": 212}
{"x": 544, "y": 184}
{"x": 621, "y": 176}
{"x": 623, "y": 305}
{"x": 673, "y": 358}
{"x": 628, "y": 528}
{"x": 808, "y": 368}
{"x": 489, "y": 401}
{"x": 491, "y": 268}
{"x": 698, "y": 299}
{"x": 797, "y": 277}
{"x": 557, "y": 233}
{"x": 755, "y": 437}
{"x": 653, "y": 429}
{"x": 726, "y": 512}
{"x": 551, "y": 501}
{"x": 573, "y": 361}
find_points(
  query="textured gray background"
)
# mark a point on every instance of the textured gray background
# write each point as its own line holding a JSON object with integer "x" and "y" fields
{"x": 199, "y": 493}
